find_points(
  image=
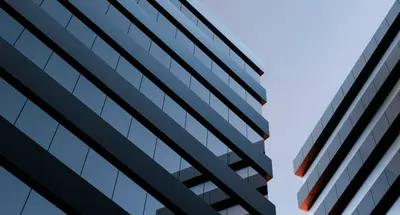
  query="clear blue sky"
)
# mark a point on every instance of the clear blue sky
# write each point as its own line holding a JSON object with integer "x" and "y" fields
{"x": 308, "y": 48}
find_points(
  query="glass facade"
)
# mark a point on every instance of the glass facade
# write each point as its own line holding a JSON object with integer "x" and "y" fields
{"x": 348, "y": 160}
{"x": 132, "y": 78}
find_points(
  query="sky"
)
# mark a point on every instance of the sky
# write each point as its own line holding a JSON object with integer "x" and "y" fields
{"x": 308, "y": 48}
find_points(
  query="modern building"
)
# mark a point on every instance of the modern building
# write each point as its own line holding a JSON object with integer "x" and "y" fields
{"x": 351, "y": 161}
{"x": 127, "y": 107}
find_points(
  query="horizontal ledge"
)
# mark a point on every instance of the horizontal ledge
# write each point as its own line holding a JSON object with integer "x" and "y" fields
{"x": 388, "y": 199}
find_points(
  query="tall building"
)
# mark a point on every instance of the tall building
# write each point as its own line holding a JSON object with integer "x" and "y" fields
{"x": 127, "y": 107}
{"x": 351, "y": 161}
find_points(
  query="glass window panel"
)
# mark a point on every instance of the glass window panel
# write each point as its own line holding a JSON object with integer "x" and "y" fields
{"x": 69, "y": 149}
{"x": 307, "y": 146}
{"x": 252, "y": 135}
{"x": 36, "y": 204}
{"x": 253, "y": 103}
{"x": 149, "y": 9}
{"x": 89, "y": 94}
{"x": 366, "y": 205}
{"x": 218, "y": 106}
{"x": 200, "y": 90}
{"x": 237, "y": 59}
{"x": 175, "y": 111}
{"x": 312, "y": 178}
{"x": 185, "y": 41}
{"x": 367, "y": 147}
{"x": 189, "y": 14}
{"x": 33, "y": 49}
{"x": 166, "y": 25}
{"x": 317, "y": 130}
{"x": 215, "y": 145}
{"x": 152, "y": 205}
{"x": 237, "y": 88}
{"x": 393, "y": 169}
{"x": 100, "y": 173}
{"x": 151, "y": 91}
{"x": 320, "y": 210}
{"x": 129, "y": 72}
{"x": 330, "y": 199}
{"x": 81, "y": 31}
{"x": 252, "y": 172}
{"x": 177, "y": 3}
{"x": 11, "y": 101}
{"x": 357, "y": 112}
{"x": 395, "y": 208}
{"x": 141, "y": 38}
{"x": 38, "y": 2}
{"x": 167, "y": 157}
{"x": 220, "y": 73}
{"x": 198, "y": 189}
{"x": 342, "y": 182}
{"x": 160, "y": 55}
{"x": 381, "y": 77}
{"x": 180, "y": 73}
{"x": 13, "y": 193}
{"x": 142, "y": 137}
{"x": 118, "y": 19}
{"x": 105, "y": 52}
{"x": 393, "y": 58}
{"x": 252, "y": 72}
{"x": 368, "y": 95}
{"x": 337, "y": 99}
{"x": 101, "y": 6}
{"x": 129, "y": 195}
{"x": 224, "y": 212}
{"x": 62, "y": 72}
{"x": 57, "y": 11}
{"x": 348, "y": 82}
{"x": 221, "y": 45}
{"x": 236, "y": 210}
{"x": 380, "y": 128}
{"x": 297, "y": 161}
{"x": 184, "y": 164}
{"x": 323, "y": 162}
{"x": 37, "y": 124}
{"x": 205, "y": 29}
{"x": 380, "y": 187}
{"x": 116, "y": 116}
{"x": 196, "y": 129}
{"x": 334, "y": 146}
{"x": 202, "y": 57}
{"x": 9, "y": 28}
{"x": 327, "y": 115}
{"x": 237, "y": 122}
{"x": 301, "y": 195}
{"x": 345, "y": 129}
{"x": 354, "y": 165}
{"x": 393, "y": 110}
{"x": 208, "y": 186}
{"x": 244, "y": 173}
